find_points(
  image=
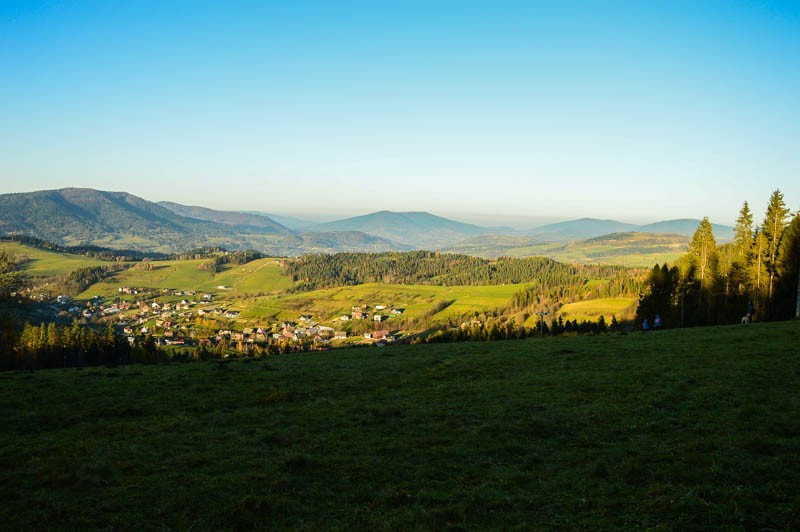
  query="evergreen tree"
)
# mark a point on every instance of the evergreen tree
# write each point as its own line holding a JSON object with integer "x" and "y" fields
{"x": 743, "y": 235}
{"x": 786, "y": 298}
{"x": 703, "y": 252}
{"x": 775, "y": 222}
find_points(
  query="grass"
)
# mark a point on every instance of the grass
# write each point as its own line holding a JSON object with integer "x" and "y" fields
{"x": 417, "y": 300}
{"x": 690, "y": 429}
{"x": 43, "y": 264}
{"x": 263, "y": 275}
{"x": 591, "y": 310}
{"x": 626, "y": 249}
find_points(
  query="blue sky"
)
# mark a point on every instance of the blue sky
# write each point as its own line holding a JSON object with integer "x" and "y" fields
{"x": 636, "y": 111}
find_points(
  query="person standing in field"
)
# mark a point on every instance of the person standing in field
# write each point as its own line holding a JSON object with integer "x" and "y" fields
{"x": 657, "y": 322}
{"x": 645, "y": 326}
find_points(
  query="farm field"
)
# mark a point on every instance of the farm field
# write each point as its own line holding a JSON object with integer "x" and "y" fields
{"x": 681, "y": 429}
{"x": 263, "y": 275}
{"x": 624, "y": 249}
{"x": 417, "y": 300}
{"x": 45, "y": 263}
{"x": 591, "y": 310}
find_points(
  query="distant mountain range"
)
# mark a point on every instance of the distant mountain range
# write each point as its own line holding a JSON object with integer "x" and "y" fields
{"x": 241, "y": 219}
{"x": 591, "y": 227}
{"x": 76, "y": 216}
{"x": 628, "y": 249}
{"x": 418, "y": 229}
{"x": 79, "y": 216}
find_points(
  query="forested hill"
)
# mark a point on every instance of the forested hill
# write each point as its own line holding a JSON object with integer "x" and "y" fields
{"x": 419, "y": 229}
{"x": 248, "y": 220}
{"x": 75, "y": 217}
{"x": 424, "y": 267}
{"x": 586, "y": 228}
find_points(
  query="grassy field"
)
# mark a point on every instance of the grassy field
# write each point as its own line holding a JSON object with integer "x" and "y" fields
{"x": 621, "y": 307}
{"x": 624, "y": 249}
{"x": 415, "y": 299}
{"x": 684, "y": 429}
{"x": 263, "y": 275}
{"x": 44, "y": 263}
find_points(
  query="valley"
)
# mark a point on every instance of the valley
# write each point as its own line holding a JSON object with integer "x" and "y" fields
{"x": 185, "y": 303}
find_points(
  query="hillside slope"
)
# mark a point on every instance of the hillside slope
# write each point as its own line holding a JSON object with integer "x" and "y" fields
{"x": 586, "y": 228}
{"x": 418, "y": 229}
{"x": 683, "y": 429}
{"x": 626, "y": 249}
{"x": 120, "y": 220}
{"x": 246, "y": 220}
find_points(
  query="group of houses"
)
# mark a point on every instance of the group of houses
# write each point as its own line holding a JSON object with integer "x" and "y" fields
{"x": 149, "y": 312}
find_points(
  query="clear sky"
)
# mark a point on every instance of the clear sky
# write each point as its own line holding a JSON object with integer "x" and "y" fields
{"x": 636, "y": 111}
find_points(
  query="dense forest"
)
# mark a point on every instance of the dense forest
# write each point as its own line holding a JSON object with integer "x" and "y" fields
{"x": 52, "y": 346}
{"x": 312, "y": 272}
{"x": 754, "y": 277}
{"x": 10, "y": 278}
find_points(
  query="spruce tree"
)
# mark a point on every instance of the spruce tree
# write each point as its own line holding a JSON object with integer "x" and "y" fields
{"x": 775, "y": 222}
{"x": 703, "y": 253}
{"x": 743, "y": 235}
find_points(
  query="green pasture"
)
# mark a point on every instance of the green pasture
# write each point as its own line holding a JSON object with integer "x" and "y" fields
{"x": 417, "y": 300}
{"x": 692, "y": 429}
{"x": 633, "y": 251}
{"x": 43, "y": 263}
{"x": 259, "y": 276}
{"x": 591, "y": 310}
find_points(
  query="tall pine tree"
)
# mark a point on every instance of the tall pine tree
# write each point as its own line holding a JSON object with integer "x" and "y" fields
{"x": 775, "y": 222}
{"x": 703, "y": 253}
{"x": 743, "y": 235}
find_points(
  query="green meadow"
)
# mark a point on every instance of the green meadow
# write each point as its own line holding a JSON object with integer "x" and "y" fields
{"x": 42, "y": 263}
{"x": 417, "y": 300}
{"x": 624, "y": 249}
{"x": 682, "y": 429}
{"x": 591, "y": 310}
{"x": 258, "y": 276}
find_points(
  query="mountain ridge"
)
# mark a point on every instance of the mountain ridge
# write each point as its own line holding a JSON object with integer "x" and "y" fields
{"x": 239, "y": 219}
{"x": 586, "y": 228}
{"x": 416, "y": 228}
{"x": 119, "y": 220}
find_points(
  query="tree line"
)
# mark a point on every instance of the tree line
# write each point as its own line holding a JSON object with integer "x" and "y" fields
{"x": 49, "y": 345}
{"x": 756, "y": 276}
{"x": 311, "y": 272}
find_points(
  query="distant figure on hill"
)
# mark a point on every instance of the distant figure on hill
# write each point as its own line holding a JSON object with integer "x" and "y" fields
{"x": 657, "y": 322}
{"x": 645, "y": 326}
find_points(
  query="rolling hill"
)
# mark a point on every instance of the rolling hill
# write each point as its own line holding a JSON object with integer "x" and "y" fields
{"x": 240, "y": 219}
{"x": 585, "y": 228}
{"x": 75, "y": 216}
{"x": 687, "y": 227}
{"x": 418, "y": 229}
{"x": 580, "y": 229}
{"x": 627, "y": 249}
{"x": 686, "y": 429}
{"x": 78, "y": 217}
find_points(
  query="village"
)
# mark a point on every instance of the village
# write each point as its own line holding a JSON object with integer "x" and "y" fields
{"x": 182, "y": 318}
